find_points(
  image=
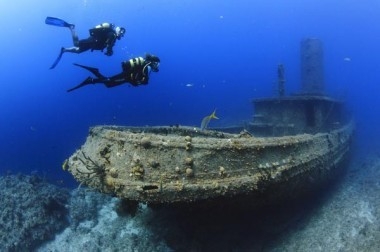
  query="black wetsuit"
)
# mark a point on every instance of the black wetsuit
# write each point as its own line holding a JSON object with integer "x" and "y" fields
{"x": 100, "y": 38}
{"x": 135, "y": 71}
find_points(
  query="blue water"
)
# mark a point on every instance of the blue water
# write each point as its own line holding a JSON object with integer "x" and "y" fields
{"x": 227, "y": 50}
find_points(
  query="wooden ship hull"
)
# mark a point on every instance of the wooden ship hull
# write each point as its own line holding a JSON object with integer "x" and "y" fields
{"x": 293, "y": 146}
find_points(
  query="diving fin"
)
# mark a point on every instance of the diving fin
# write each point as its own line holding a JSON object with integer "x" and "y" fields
{"x": 58, "y": 58}
{"x": 87, "y": 81}
{"x": 58, "y": 22}
{"x": 93, "y": 70}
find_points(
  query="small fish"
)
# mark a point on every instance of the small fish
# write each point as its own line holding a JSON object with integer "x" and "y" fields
{"x": 189, "y": 85}
{"x": 206, "y": 120}
{"x": 65, "y": 164}
{"x": 347, "y": 59}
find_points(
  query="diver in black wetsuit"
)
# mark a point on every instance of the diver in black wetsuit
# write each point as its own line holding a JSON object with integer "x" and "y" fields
{"x": 101, "y": 37}
{"x": 135, "y": 71}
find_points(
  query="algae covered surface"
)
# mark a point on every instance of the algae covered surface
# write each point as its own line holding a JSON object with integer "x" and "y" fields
{"x": 165, "y": 165}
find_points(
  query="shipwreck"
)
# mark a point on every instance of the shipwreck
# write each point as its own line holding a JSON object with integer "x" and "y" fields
{"x": 293, "y": 145}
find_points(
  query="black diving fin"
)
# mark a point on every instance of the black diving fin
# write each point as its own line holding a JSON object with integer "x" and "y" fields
{"x": 57, "y": 22}
{"x": 87, "y": 81}
{"x": 93, "y": 70}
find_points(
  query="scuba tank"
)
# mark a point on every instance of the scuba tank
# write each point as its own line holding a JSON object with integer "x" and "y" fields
{"x": 101, "y": 30}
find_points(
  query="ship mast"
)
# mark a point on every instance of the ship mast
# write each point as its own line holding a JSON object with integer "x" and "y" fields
{"x": 312, "y": 81}
{"x": 281, "y": 80}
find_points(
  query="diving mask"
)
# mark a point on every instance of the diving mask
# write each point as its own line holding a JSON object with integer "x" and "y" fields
{"x": 154, "y": 66}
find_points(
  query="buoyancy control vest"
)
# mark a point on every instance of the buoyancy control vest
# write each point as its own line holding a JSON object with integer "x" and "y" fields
{"x": 101, "y": 30}
{"x": 136, "y": 70}
{"x": 103, "y": 35}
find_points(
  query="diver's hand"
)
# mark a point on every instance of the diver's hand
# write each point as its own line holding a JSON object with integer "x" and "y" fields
{"x": 109, "y": 53}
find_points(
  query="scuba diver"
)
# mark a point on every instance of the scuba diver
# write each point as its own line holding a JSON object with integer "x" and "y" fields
{"x": 135, "y": 71}
{"x": 102, "y": 37}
